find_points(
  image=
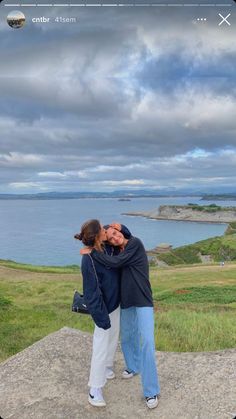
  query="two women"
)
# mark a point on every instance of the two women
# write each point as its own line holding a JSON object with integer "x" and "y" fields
{"x": 137, "y": 317}
{"x": 137, "y": 320}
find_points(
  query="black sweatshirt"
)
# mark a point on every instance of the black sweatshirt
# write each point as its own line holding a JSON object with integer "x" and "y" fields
{"x": 101, "y": 293}
{"x": 135, "y": 285}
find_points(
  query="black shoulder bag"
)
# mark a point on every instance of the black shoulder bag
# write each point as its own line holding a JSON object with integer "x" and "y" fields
{"x": 78, "y": 304}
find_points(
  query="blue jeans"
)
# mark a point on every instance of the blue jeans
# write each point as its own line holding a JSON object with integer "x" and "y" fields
{"x": 138, "y": 346}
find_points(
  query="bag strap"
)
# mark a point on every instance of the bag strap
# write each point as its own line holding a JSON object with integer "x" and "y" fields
{"x": 94, "y": 268}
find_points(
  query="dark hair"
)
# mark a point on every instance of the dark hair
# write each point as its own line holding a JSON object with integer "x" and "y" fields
{"x": 89, "y": 233}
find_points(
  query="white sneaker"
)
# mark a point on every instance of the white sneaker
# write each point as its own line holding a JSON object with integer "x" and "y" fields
{"x": 152, "y": 402}
{"x": 127, "y": 374}
{"x": 95, "y": 397}
{"x": 110, "y": 374}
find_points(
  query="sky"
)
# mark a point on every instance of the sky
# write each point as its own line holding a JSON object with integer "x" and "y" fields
{"x": 123, "y": 98}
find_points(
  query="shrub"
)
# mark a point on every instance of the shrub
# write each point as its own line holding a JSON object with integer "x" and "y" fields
{"x": 170, "y": 258}
{"x": 4, "y": 302}
{"x": 188, "y": 254}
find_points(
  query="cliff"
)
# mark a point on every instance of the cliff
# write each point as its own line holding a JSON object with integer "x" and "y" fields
{"x": 208, "y": 214}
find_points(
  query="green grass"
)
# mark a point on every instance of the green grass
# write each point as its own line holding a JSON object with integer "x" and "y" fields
{"x": 4, "y": 302}
{"x": 36, "y": 308}
{"x": 219, "y": 248}
{"x": 198, "y": 295}
{"x": 204, "y": 208}
{"x": 35, "y": 268}
{"x": 195, "y": 307}
{"x": 194, "y": 330}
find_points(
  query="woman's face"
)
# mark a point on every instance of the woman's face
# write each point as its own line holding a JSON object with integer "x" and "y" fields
{"x": 115, "y": 237}
{"x": 102, "y": 235}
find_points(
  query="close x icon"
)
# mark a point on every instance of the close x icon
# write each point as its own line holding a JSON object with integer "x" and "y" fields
{"x": 224, "y": 19}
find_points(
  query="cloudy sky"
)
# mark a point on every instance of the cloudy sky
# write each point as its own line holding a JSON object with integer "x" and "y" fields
{"x": 125, "y": 98}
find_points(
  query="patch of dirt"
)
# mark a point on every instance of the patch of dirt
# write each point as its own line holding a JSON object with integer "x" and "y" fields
{"x": 182, "y": 292}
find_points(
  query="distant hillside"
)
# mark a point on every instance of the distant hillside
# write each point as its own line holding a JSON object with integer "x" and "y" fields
{"x": 114, "y": 194}
{"x": 215, "y": 249}
{"x": 219, "y": 197}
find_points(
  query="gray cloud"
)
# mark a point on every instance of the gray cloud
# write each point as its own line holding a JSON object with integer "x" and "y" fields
{"x": 123, "y": 99}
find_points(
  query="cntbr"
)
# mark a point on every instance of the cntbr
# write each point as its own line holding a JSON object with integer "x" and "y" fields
{"x": 41, "y": 19}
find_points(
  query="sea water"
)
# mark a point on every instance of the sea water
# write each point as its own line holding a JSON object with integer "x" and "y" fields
{"x": 41, "y": 231}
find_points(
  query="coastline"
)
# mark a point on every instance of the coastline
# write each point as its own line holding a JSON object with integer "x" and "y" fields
{"x": 175, "y": 219}
{"x": 212, "y": 215}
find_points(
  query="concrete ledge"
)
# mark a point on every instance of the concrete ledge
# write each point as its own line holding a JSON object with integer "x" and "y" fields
{"x": 48, "y": 380}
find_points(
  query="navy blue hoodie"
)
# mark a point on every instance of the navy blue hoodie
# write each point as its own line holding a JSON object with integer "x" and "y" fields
{"x": 102, "y": 296}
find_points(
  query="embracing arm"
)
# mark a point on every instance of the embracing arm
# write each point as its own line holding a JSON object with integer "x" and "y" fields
{"x": 93, "y": 296}
{"x": 127, "y": 257}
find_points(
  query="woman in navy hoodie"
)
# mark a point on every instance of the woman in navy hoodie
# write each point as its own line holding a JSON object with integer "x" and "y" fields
{"x": 101, "y": 287}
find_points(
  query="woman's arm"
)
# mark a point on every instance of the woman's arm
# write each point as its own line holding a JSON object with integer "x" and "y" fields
{"x": 93, "y": 296}
{"x": 128, "y": 256}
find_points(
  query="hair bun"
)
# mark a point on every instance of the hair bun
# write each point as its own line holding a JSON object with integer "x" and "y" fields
{"x": 78, "y": 236}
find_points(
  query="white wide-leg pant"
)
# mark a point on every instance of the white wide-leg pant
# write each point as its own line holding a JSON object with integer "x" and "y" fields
{"x": 104, "y": 347}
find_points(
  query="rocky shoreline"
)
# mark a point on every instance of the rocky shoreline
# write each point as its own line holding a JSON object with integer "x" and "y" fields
{"x": 187, "y": 213}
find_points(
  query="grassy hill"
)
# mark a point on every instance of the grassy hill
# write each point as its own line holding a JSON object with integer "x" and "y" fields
{"x": 206, "y": 208}
{"x": 222, "y": 248}
{"x": 195, "y": 306}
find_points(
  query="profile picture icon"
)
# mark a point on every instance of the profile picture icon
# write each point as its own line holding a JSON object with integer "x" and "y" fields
{"x": 16, "y": 19}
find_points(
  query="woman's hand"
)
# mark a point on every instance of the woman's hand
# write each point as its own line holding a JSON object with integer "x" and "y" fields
{"x": 85, "y": 250}
{"x": 116, "y": 226}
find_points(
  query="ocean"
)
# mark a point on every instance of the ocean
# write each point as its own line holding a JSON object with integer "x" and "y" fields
{"x": 41, "y": 231}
